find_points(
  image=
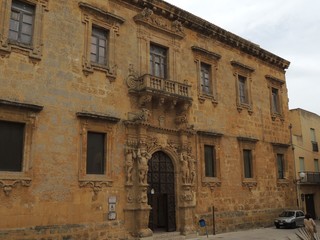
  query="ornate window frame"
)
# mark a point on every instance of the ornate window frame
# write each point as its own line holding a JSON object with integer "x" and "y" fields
{"x": 211, "y": 139}
{"x": 96, "y": 17}
{"x": 276, "y": 83}
{"x": 246, "y": 143}
{"x": 26, "y": 114}
{"x": 91, "y": 122}
{"x": 240, "y": 69}
{"x": 203, "y": 56}
{"x": 34, "y": 51}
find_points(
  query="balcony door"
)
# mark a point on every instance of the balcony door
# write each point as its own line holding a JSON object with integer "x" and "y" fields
{"x": 161, "y": 194}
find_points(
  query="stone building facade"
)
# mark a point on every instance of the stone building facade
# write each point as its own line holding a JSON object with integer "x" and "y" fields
{"x": 305, "y": 136}
{"x": 120, "y": 118}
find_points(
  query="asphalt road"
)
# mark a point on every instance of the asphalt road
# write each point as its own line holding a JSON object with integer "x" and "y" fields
{"x": 271, "y": 233}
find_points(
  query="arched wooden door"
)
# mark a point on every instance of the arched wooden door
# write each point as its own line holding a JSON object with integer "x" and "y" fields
{"x": 161, "y": 194}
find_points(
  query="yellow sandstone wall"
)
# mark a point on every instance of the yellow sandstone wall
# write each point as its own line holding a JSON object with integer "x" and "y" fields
{"x": 55, "y": 201}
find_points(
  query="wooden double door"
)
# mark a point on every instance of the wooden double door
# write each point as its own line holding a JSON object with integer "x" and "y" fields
{"x": 161, "y": 193}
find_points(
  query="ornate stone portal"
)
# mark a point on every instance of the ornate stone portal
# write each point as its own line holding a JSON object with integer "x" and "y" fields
{"x": 143, "y": 141}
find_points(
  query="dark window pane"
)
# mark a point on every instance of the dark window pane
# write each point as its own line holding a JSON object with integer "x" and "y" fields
{"x": 280, "y": 164}
{"x": 275, "y": 100}
{"x": 243, "y": 96}
{"x": 209, "y": 156}
{"x": 205, "y": 78}
{"x": 95, "y": 153}
{"x": 11, "y": 146}
{"x": 247, "y": 157}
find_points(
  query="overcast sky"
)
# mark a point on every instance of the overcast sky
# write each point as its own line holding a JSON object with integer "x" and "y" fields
{"x": 287, "y": 28}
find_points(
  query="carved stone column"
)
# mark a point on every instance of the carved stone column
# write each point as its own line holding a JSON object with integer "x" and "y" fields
{"x": 137, "y": 210}
{"x": 187, "y": 195}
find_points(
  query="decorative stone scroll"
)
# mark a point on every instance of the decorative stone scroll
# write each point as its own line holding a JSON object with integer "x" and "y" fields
{"x": 147, "y": 17}
{"x": 8, "y": 185}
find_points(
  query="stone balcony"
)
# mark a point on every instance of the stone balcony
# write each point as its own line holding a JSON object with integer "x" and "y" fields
{"x": 162, "y": 91}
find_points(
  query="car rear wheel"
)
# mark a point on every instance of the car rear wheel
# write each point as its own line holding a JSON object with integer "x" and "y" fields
{"x": 277, "y": 226}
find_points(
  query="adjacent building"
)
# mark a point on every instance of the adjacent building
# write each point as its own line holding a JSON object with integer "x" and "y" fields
{"x": 305, "y": 135}
{"x": 121, "y": 118}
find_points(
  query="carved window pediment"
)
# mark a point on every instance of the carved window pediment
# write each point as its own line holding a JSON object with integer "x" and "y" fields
{"x": 148, "y": 18}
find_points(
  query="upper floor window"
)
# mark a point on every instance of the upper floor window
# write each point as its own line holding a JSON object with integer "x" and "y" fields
{"x": 210, "y": 161}
{"x": 243, "y": 76}
{"x": 21, "y": 22}
{"x": 314, "y": 140}
{"x": 158, "y": 61}
{"x": 101, "y": 30}
{"x": 206, "y": 81}
{"x": 280, "y": 166}
{"x": 275, "y": 88}
{"x": 275, "y": 100}
{"x": 99, "y": 46}
{"x": 301, "y": 164}
{"x": 21, "y": 28}
{"x": 243, "y": 89}
{"x": 206, "y": 66}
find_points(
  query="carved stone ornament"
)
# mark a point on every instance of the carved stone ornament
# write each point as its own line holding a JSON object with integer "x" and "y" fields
{"x": 8, "y": 185}
{"x": 132, "y": 79}
{"x": 147, "y": 17}
{"x": 96, "y": 186}
{"x": 249, "y": 185}
{"x": 142, "y": 116}
{"x": 143, "y": 158}
{"x": 211, "y": 185}
{"x": 188, "y": 170}
{"x": 130, "y": 157}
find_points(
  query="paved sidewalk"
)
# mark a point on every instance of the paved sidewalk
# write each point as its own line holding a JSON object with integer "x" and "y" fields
{"x": 271, "y": 233}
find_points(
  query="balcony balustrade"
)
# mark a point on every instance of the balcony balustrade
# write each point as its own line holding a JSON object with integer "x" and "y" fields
{"x": 310, "y": 178}
{"x": 164, "y": 88}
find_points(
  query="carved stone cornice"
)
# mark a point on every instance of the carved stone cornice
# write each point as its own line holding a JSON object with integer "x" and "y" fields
{"x": 275, "y": 80}
{"x": 205, "y": 52}
{"x": 96, "y": 116}
{"x": 280, "y": 145}
{"x": 203, "y": 27}
{"x": 209, "y": 134}
{"x": 19, "y": 105}
{"x": 247, "y": 139}
{"x": 98, "y": 11}
{"x": 241, "y": 65}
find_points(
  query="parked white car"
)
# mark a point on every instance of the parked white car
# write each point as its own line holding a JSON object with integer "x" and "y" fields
{"x": 290, "y": 218}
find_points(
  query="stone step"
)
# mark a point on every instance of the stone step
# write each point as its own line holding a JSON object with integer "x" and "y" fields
{"x": 168, "y": 236}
